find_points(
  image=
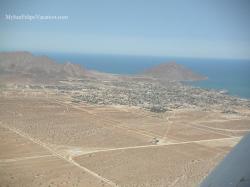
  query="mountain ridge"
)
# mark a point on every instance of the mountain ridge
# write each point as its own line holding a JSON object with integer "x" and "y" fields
{"x": 37, "y": 68}
{"x": 23, "y": 66}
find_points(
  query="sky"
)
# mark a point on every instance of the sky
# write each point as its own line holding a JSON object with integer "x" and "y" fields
{"x": 182, "y": 28}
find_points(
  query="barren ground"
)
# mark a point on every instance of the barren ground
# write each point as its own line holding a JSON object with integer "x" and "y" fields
{"x": 49, "y": 141}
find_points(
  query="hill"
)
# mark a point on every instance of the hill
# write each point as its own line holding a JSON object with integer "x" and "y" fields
{"x": 25, "y": 67}
{"x": 172, "y": 72}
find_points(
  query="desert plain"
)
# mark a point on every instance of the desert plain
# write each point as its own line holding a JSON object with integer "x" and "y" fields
{"x": 49, "y": 140}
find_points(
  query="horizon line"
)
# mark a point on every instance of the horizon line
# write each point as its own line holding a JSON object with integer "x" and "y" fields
{"x": 46, "y": 53}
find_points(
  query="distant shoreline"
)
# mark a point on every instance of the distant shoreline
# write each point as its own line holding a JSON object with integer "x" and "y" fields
{"x": 223, "y": 74}
{"x": 230, "y": 75}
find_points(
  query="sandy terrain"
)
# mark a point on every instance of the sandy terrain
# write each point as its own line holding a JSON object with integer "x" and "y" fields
{"x": 13, "y": 145}
{"x": 48, "y": 141}
{"x": 45, "y": 171}
{"x": 25, "y": 163}
{"x": 171, "y": 165}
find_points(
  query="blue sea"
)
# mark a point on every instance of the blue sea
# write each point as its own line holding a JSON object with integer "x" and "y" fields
{"x": 230, "y": 75}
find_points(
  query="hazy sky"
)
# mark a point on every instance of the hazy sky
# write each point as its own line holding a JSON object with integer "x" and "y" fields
{"x": 194, "y": 28}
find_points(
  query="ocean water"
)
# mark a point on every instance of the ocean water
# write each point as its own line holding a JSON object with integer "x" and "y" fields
{"x": 230, "y": 75}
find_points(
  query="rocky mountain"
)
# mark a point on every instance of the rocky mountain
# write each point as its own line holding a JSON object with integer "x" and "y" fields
{"x": 25, "y": 67}
{"x": 172, "y": 72}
